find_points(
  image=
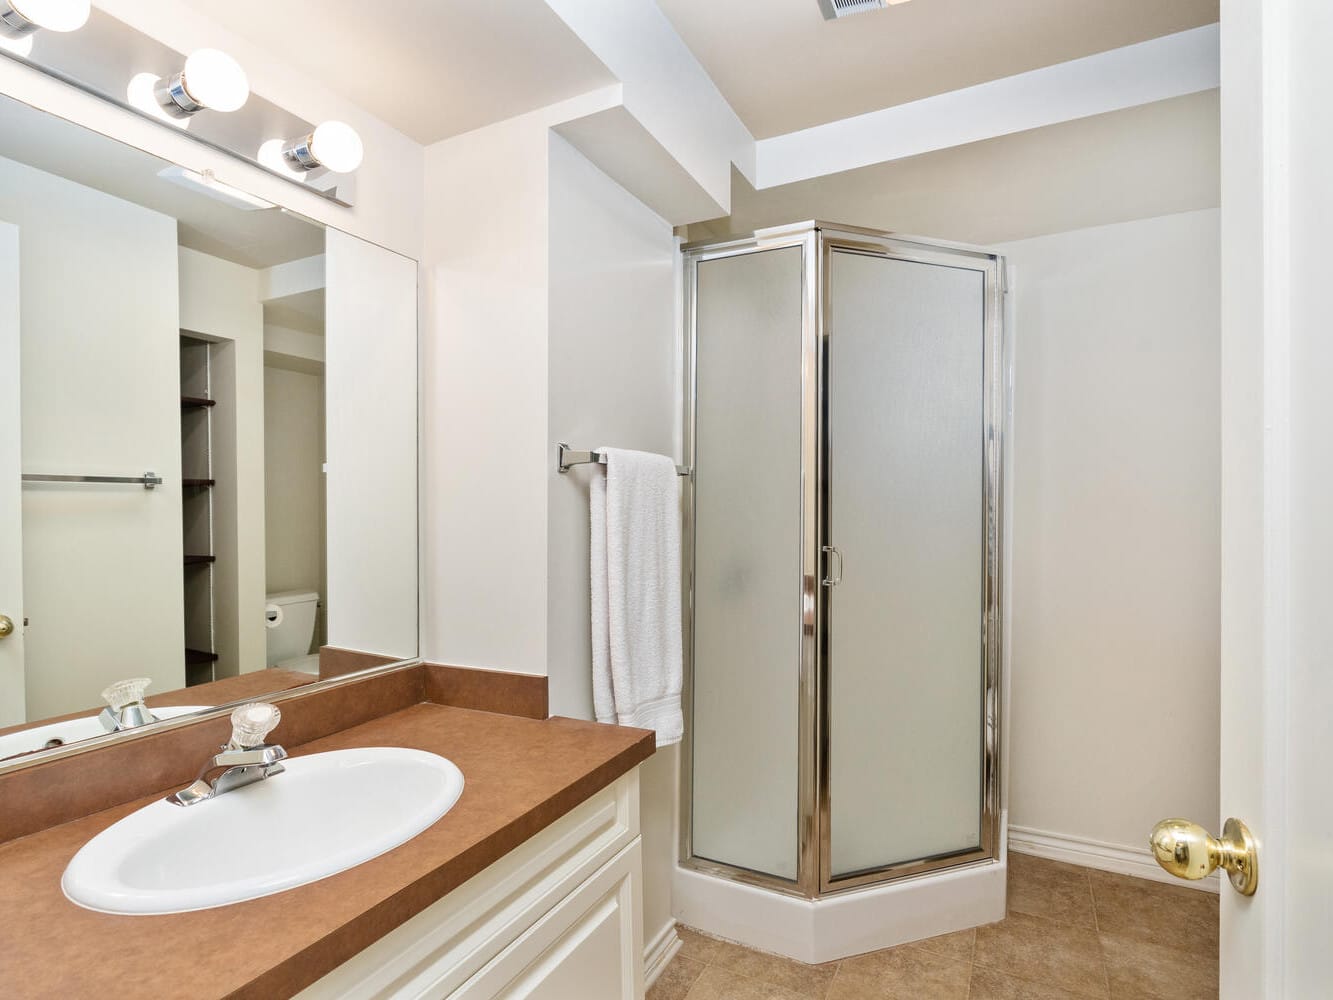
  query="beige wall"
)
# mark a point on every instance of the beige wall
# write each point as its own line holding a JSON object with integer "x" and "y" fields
{"x": 1114, "y": 675}
{"x": 100, "y": 396}
{"x": 294, "y": 498}
{"x": 1138, "y": 163}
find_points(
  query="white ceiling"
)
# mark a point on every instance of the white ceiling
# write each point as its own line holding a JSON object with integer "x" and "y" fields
{"x": 1151, "y": 160}
{"x": 783, "y": 67}
{"x": 255, "y": 239}
{"x": 430, "y": 68}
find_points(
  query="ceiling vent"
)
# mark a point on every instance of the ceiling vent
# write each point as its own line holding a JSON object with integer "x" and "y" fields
{"x": 834, "y": 9}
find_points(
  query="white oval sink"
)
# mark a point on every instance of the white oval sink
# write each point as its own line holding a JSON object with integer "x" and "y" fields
{"x": 73, "y": 730}
{"x": 328, "y": 812}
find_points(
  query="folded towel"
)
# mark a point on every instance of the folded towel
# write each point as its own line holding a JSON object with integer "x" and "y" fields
{"x": 635, "y": 560}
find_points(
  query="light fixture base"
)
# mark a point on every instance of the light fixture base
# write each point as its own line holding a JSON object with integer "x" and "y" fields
{"x": 13, "y": 24}
{"x": 298, "y": 152}
{"x": 174, "y": 98}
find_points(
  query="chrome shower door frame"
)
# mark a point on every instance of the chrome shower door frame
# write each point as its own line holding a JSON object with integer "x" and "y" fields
{"x": 848, "y": 239}
{"x": 805, "y": 647}
{"x": 818, "y": 241}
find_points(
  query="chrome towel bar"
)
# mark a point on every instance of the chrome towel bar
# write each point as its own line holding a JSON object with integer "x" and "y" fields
{"x": 565, "y": 457}
{"x": 148, "y": 480}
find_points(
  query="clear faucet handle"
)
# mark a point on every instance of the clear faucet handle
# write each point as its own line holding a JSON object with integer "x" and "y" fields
{"x": 126, "y": 692}
{"x": 251, "y": 723}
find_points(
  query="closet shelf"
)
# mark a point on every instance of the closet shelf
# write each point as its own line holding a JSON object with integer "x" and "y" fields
{"x": 193, "y": 402}
{"x": 196, "y": 656}
{"x": 199, "y": 560}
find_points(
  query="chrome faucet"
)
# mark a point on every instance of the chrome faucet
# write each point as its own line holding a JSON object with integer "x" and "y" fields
{"x": 245, "y": 758}
{"x": 125, "y": 708}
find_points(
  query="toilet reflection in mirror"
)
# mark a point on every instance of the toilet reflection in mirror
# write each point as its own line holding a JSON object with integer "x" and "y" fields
{"x": 208, "y": 424}
{"x": 291, "y": 618}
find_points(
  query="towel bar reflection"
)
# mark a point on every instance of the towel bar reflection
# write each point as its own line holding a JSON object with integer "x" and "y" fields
{"x": 148, "y": 480}
{"x": 566, "y": 457}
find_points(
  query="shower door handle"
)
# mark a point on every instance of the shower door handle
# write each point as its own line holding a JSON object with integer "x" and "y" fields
{"x": 829, "y": 579}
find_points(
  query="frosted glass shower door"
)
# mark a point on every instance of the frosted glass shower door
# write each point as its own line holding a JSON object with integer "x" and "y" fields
{"x": 747, "y": 560}
{"x": 906, "y": 504}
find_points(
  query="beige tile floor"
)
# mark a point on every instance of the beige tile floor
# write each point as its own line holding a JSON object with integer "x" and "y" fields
{"x": 1070, "y": 932}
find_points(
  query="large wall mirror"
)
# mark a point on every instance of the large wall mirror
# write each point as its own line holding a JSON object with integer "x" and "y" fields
{"x": 208, "y": 442}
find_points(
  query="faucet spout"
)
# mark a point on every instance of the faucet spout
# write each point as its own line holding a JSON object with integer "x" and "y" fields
{"x": 243, "y": 761}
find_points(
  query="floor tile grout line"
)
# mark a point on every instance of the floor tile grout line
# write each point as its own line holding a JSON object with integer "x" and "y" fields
{"x": 1106, "y": 966}
{"x": 1092, "y": 898}
{"x": 1097, "y": 924}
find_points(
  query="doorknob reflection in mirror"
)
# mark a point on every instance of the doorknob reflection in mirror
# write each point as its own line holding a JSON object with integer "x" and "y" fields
{"x": 6, "y": 626}
{"x": 1188, "y": 851}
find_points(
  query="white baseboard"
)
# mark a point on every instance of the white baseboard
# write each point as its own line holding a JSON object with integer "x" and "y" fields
{"x": 849, "y": 923}
{"x": 1118, "y": 858}
{"x": 659, "y": 953}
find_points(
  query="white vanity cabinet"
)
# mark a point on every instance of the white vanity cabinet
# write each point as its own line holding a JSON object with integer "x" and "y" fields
{"x": 558, "y": 918}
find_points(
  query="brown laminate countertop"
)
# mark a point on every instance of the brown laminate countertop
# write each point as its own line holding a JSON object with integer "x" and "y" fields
{"x": 520, "y": 775}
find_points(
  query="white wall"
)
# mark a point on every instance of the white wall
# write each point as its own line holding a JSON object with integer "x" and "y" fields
{"x": 219, "y": 302}
{"x": 371, "y": 485}
{"x": 1114, "y": 674}
{"x": 611, "y": 349}
{"x": 100, "y": 368}
{"x": 484, "y": 407}
{"x": 551, "y": 298}
{"x": 612, "y": 367}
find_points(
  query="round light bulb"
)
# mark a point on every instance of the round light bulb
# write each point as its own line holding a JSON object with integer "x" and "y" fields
{"x": 271, "y": 155}
{"x": 337, "y": 147}
{"x": 54, "y": 15}
{"x": 19, "y": 46}
{"x": 215, "y": 80}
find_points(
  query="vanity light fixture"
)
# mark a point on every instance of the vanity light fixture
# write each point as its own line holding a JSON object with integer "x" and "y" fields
{"x": 210, "y": 79}
{"x": 335, "y": 146}
{"x": 23, "y": 17}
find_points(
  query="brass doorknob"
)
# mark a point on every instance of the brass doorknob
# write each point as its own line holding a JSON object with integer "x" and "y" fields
{"x": 1188, "y": 851}
{"x": 6, "y": 626}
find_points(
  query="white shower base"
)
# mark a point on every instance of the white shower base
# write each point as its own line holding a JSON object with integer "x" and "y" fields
{"x": 850, "y": 923}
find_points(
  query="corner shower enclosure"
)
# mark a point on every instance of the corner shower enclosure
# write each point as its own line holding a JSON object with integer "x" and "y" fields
{"x": 844, "y": 415}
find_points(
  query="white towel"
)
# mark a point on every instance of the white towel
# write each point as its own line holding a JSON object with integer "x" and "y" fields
{"x": 635, "y": 560}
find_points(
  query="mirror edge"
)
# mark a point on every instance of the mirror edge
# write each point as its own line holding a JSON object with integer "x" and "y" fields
{"x": 36, "y": 757}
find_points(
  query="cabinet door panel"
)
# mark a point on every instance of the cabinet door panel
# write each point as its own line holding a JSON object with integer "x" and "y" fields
{"x": 590, "y": 947}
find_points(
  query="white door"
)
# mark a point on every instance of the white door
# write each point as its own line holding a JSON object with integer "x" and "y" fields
{"x": 1277, "y": 493}
{"x": 11, "y": 502}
